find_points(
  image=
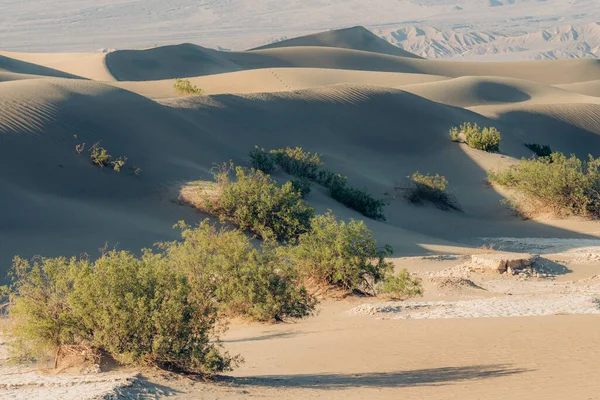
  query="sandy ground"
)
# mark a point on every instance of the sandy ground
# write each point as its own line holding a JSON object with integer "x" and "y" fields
{"x": 376, "y": 117}
{"x": 474, "y": 335}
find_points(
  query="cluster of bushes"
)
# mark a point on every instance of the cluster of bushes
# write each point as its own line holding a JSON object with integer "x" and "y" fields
{"x": 307, "y": 166}
{"x": 567, "y": 185}
{"x": 431, "y": 188}
{"x": 185, "y": 87}
{"x": 486, "y": 139}
{"x": 137, "y": 310}
{"x": 163, "y": 307}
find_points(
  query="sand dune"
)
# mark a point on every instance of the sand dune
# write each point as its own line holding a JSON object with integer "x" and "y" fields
{"x": 18, "y": 66}
{"x": 376, "y": 136}
{"x": 277, "y": 80}
{"x": 356, "y": 38}
{"x": 477, "y": 91}
{"x": 376, "y": 116}
{"x": 590, "y": 88}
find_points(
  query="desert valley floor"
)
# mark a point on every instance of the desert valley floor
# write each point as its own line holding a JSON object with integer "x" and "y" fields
{"x": 376, "y": 114}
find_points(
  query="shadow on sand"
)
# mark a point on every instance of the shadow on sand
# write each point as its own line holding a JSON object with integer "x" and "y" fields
{"x": 421, "y": 377}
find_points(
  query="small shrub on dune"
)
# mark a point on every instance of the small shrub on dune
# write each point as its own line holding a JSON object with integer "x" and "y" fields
{"x": 401, "y": 286}
{"x": 429, "y": 188}
{"x": 100, "y": 157}
{"x": 486, "y": 139}
{"x": 297, "y": 162}
{"x": 567, "y": 185}
{"x": 185, "y": 87}
{"x": 353, "y": 198}
{"x": 256, "y": 203}
{"x": 261, "y": 160}
{"x": 539, "y": 150}
{"x": 138, "y": 310}
{"x": 302, "y": 186}
{"x": 256, "y": 283}
{"x": 306, "y": 166}
{"x": 345, "y": 256}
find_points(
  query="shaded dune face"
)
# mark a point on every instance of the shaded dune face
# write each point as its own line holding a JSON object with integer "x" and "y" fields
{"x": 356, "y": 38}
{"x": 11, "y": 65}
{"x": 374, "y": 116}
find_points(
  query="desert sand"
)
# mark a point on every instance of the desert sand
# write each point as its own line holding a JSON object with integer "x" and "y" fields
{"x": 376, "y": 115}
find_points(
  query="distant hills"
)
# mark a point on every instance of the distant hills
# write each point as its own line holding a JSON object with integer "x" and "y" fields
{"x": 567, "y": 41}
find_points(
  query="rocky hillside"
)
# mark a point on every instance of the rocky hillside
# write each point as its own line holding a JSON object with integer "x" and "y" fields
{"x": 567, "y": 41}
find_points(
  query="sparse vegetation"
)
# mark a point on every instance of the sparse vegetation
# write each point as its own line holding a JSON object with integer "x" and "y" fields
{"x": 297, "y": 162}
{"x": 185, "y": 87}
{"x": 539, "y": 150}
{"x": 566, "y": 185}
{"x": 303, "y": 164}
{"x": 429, "y": 188}
{"x": 486, "y": 139}
{"x": 256, "y": 203}
{"x": 100, "y": 157}
{"x": 262, "y": 160}
{"x": 357, "y": 199}
{"x": 401, "y": 286}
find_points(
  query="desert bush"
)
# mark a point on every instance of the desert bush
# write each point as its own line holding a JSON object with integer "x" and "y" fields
{"x": 431, "y": 188}
{"x": 342, "y": 255}
{"x": 486, "y": 139}
{"x": 100, "y": 157}
{"x": 356, "y": 199}
{"x": 256, "y": 203}
{"x": 539, "y": 150}
{"x": 297, "y": 162}
{"x": 262, "y": 160}
{"x": 401, "y": 286}
{"x": 454, "y": 134}
{"x": 305, "y": 165}
{"x": 185, "y": 87}
{"x": 302, "y": 186}
{"x": 567, "y": 185}
{"x": 257, "y": 283}
{"x": 138, "y": 310}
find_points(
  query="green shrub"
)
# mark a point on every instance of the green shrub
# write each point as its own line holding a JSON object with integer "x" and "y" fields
{"x": 401, "y": 286}
{"x": 256, "y": 203}
{"x": 356, "y": 199}
{"x": 539, "y": 150}
{"x": 185, "y": 87}
{"x": 305, "y": 165}
{"x": 297, "y": 162}
{"x": 454, "y": 134}
{"x": 257, "y": 283}
{"x": 302, "y": 186}
{"x": 342, "y": 255}
{"x": 138, "y": 310}
{"x": 262, "y": 160}
{"x": 569, "y": 186}
{"x": 100, "y": 157}
{"x": 431, "y": 188}
{"x": 486, "y": 139}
